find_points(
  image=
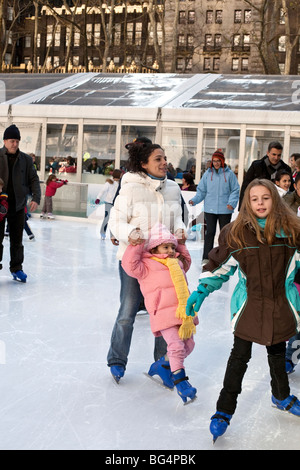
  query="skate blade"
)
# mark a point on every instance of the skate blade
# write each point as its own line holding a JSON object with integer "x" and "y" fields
{"x": 19, "y": 280}
{"x": 158, "y": 382}
{"x": 285, "y": 411}
{"x": 190, "y": 401}
{"x": 116, "y": 379}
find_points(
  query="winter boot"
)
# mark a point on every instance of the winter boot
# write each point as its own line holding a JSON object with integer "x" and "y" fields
{"x": 184, "y": 388}
{"x": 219, "y": 423}
{"x": 290, "y": 404}
{"x": 117, "y": 372}
{"x": 19, "y": 276}
{"x": 162, "y": 369}
{"x": 289, "y": 366}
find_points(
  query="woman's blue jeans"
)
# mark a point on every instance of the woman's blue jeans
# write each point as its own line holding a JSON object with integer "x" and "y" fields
{"x": 130, "y": 299}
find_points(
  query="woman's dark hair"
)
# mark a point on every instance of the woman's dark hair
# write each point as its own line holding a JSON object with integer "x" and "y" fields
{"x": 280, "y": 173}
{"x": 139, "y": 153}
{"x": 188, "y": 178}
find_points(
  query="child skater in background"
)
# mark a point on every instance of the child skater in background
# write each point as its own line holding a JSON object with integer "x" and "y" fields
{"x": 52, "y": 184}
{"x": 263, "y": 244}
{"x": 283, "y": 182}
{"x": 159, "y": 264}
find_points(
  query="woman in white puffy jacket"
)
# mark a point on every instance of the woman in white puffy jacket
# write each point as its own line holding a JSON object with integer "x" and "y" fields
{"x": 146, "y": 197}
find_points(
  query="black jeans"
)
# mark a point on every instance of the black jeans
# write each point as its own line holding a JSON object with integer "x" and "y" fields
{"x": 16, "y": 222}
{"x": 237, "y": 366}
{"x": 211, "y": 226}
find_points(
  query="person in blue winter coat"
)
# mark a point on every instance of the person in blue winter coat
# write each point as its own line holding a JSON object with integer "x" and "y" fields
{"x": 219, "y": 188}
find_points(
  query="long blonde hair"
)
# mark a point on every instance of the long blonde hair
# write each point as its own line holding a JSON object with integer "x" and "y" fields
{"x": 281, "y": 219}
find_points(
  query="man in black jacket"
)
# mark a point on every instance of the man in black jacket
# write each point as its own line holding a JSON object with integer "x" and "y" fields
{"x": 20, "y": 180}
{"x": 266, "y": 167}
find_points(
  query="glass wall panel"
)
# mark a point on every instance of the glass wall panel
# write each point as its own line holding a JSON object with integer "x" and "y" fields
{"x": 294, "y": 143}
{"x": 69, "y": 200}
{"x": 30, "y": 139}
{"x": 226, "y": 139}
{"x": 180, "y": 144}
{"x": 257, "y": 142}
{"x": 61, "y": 150}
{"x": 129, "y": 133}
{"x": 99, "y": 150}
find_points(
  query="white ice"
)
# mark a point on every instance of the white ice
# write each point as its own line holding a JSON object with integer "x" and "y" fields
{"x": 56, "y": 391}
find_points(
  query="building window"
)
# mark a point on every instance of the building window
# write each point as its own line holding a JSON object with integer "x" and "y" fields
{"x": 97, "y": 34}
{"x": 281, "y": 16}
{"x": 190, "y": 40}
{"x": 191, "y": 17}
{"x": 76, "y": 39}
{"x": 129, "y": 34}
{"x": 237, "y": 16}
{"x": 216, "y": 64}
{"x": 208, "y": 41}
{"x": 159, "y": 33}
{"x": 236, "y": 43}
{"x": 180, "y": 63}
{"x": 55, "y": 61}
{"x": 138, "y": 34}
{"x": 247, "y": 16}
{"x": 180, "y": 40}
{"x": 189, "y": 63}
{"x": 49, "y": 34}
{"x": 219, "y": 16}
{"x": 182, "y": 17}
{"x": 245, "y": 64}
{"x": 246, "y": 42}
{"x": 235, "y": 65}
{"x": 206, "y": 65}
{"x": 89, "y": 34}
{"x": 209, "y": 16}
{"x": 117, "y": 34}
{"x": 27, "y": 40}
{"x": 218, "y": 41}
{"x": 57, "y": 36}
{"x": 281, "y": 44}
{"x": 10, "y": 13}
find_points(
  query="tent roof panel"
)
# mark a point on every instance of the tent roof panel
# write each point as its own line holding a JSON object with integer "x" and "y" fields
{"x": 260, "y": 92}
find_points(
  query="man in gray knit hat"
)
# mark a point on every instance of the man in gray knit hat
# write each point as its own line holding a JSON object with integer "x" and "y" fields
{"x": 20, "y": 180}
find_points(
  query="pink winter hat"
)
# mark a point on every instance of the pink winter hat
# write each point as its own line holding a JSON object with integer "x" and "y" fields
{"x": 160, "y": 234}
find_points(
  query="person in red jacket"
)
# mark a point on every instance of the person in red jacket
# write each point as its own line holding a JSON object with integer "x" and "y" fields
{"x": 52, "y": 184}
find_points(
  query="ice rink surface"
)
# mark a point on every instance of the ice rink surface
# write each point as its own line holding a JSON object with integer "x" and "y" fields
{"x": 56, "y": 391}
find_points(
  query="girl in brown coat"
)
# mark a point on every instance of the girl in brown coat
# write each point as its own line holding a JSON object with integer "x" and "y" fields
{"x": 263, "y": 244}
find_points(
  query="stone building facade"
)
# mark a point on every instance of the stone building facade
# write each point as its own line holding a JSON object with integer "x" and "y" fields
{"x": 177, "y": 36}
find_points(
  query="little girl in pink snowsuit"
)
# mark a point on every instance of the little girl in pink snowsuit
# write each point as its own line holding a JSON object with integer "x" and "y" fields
{"x": 159, "y": 264}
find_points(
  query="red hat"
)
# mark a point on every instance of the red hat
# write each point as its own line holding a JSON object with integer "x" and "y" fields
{"x": 220, "y": 155}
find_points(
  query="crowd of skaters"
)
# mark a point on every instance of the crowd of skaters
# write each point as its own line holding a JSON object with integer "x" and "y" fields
{"x": 146, "y": 222}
